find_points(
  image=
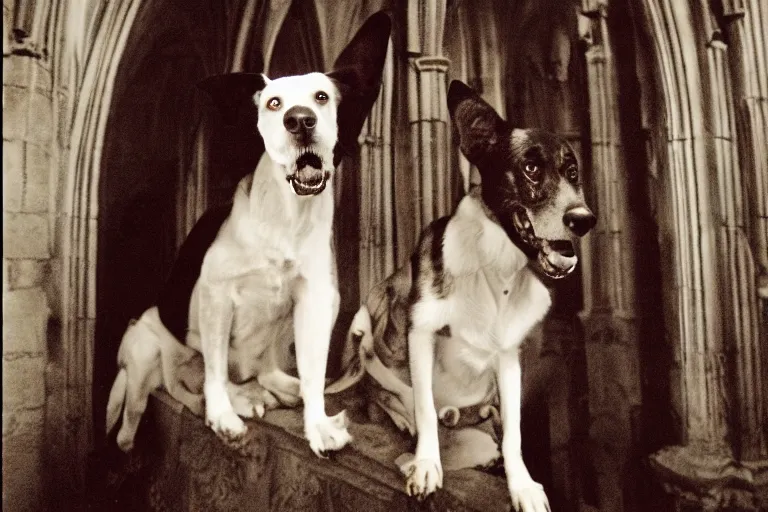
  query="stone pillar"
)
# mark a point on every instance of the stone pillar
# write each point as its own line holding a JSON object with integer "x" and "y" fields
{"x": 745, "y": 108}
{"x": 608, "y": 258}
{"x": 433, "y": 183}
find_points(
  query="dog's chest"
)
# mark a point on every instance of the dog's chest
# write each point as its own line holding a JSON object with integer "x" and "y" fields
{"x": 495, "y": 300}
{"x": 266, "y": 294}
{"x": 494, "y": 313}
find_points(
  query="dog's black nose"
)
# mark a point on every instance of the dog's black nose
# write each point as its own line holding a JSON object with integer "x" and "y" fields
{"x": 299, "y": 120}
{"x": 579, "y": 220}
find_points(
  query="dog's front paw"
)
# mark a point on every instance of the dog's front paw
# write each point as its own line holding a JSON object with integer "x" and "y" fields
{"x": 528, "y": 496}
{"x": 329, "y": 433}
{"x": 424, "y": 476}
{"x": 228, "y": 427}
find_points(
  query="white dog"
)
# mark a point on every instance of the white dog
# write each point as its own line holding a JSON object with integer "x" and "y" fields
{"x": 260, "y": 276}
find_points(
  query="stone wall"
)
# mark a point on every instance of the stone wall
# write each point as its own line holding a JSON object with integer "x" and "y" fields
{"x": 28, "y": 185}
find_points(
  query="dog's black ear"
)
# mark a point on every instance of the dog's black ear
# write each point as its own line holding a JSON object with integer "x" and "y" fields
{"x": 357, "y": 73}
{"x": 480, "y": 127}
{"x": 233, "y": 94}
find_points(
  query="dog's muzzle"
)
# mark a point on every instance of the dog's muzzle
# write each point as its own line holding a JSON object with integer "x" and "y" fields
{"x": 309, "y": 178}
{"x": 555, "y": 258}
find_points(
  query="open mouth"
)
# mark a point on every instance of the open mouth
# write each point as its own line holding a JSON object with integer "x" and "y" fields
{"x": 555, "y": 258}
{"x": 309, "y": 179}
{"x": 310, "y": 186}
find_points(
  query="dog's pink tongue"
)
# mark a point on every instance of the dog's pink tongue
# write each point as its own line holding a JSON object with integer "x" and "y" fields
{"x": 558, "y": 260}
{"x": 310, "y": 176}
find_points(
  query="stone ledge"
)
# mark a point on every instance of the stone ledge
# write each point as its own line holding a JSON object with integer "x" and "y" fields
{"x": 187, "y": 468}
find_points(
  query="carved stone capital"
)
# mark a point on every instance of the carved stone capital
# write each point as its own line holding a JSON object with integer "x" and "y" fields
{"x": 731, "y": 8}
{"x": 711, "y": 481}
{"x": 434, "y": 63}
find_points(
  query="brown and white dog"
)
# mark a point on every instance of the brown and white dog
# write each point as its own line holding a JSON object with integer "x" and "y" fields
{"x": 440, "y": 338}
{"x": 252, "y": 280}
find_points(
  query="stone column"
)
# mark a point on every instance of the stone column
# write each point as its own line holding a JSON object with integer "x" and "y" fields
{"x": 608, "y": 258}
{"x": 433, "y": 183}
{"x": 744, "y": 117}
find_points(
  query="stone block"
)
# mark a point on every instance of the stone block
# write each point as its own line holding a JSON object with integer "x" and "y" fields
{"x": 26, "y": 273}
{"x": 13, "y": 175}
{"x": 23, "y": 382}
{"x": 38, "y": 174}
{"x": 27, "y": 423}
{"x": 40, "y": 121}
{"x": 15, "y": 112}
{"x": 25, "y": 321}
{"x": 17, "y": 70}
{"x": 25, "y": 235}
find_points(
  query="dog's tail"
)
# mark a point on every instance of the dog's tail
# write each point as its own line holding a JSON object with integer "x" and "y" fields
{"x": 116, "y": 399}
{"x": 357, "y": 350}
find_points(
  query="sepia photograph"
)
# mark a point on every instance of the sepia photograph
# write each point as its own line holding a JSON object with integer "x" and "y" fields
{"x": 385, "y": 255}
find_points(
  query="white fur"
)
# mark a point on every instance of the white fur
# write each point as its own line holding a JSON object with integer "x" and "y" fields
{"x": 149, "y": 356}
{"x": 273, "y": 257}
{"x": 297, "y": 91}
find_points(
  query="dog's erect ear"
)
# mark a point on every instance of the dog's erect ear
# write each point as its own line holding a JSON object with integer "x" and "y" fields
{"x": 480, "y": 127}
{"x": 233, "y": 94}
{"x": 357, "y": 73}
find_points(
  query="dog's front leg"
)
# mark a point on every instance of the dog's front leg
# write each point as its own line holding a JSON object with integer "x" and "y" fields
{"x": 216, "y": 315}
{"x": 527, "y": 495}
{"x": 314, "y": 314}
{"x": 425, "y": 472}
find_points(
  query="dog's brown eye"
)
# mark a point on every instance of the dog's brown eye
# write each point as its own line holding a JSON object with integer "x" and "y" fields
{"x": 532, "y": 172}
{"x": 572, "y": 174}
{"x": 274, "y": 104}
{"x": 321, "y": 97}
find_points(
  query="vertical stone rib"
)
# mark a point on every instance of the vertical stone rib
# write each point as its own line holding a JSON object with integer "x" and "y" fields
{"x": 698, "y": 304}
{"x": 376, "y": 228}
{"x": 745, "y": 23}
{"x": 427, "y": 114}
{"x": 80, "y": 241}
